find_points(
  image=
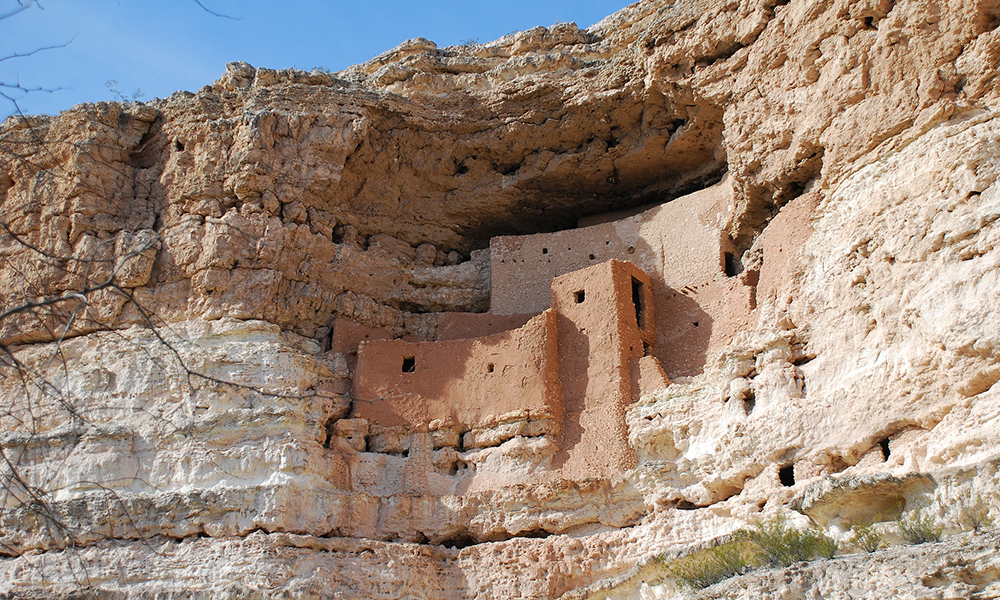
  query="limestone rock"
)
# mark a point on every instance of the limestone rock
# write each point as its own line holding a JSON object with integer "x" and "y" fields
{"x": 189, "y": 286}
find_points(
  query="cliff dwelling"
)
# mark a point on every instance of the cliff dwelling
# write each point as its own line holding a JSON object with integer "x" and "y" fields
{"x": 567, "y": 376}
{"x": 577, "y": 331}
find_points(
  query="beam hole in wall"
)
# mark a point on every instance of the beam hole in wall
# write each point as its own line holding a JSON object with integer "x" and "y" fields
{"x": 545, "y": 250}
{"x": 592, "y": 257}
{"x": 786, "y": 475}
{"x": 884, "y": 445}
{"x": 178, "y": 146}
{"x": 579, "y": 296}
{"x": 696, "y": 324}
{"x": 409, "y": 364}
{"x": 490, "y": 368}
{"x": 749, "y": 402}
{"x": 631, "y": 250}
{"x": 638, "y": 302}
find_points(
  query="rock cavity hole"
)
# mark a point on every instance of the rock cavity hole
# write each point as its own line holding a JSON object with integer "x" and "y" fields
{"x": 786, "y": 475}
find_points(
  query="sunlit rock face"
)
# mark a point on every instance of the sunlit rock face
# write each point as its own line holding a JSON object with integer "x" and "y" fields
{"x": 803, "y": 197}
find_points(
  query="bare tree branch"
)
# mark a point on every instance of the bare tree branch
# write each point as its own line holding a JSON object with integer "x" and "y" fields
{"x": 212, "y": 12}
{"x": 22, "y": 5}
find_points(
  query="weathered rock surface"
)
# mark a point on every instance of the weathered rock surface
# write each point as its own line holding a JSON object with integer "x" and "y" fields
{"x": 176, "y": 421}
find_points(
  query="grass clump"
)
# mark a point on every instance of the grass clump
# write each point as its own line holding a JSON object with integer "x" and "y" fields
{"x": 974, "y": 513}
{"x": 772, "y": 543}
{"x": 712, "y": 565}
{"x": 866, "y": 537}
{"x": 779, "y": 544}
{"x": 919, "y": 526}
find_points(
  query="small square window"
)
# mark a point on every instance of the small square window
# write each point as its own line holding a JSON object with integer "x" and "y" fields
{"x": 579, "y": 296}
{"x": 409, "y": 364}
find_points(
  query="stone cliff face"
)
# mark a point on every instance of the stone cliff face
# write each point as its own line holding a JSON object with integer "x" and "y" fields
{"x": 811, "y": 188}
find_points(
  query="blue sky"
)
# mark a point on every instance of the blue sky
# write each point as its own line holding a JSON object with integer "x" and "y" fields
{"x": 159, "y": 46}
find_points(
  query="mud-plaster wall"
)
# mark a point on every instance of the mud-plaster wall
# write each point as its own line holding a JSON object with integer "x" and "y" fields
{"x": 457, "y": 326}
{"x": 679, "y": 244}
{"x": 473, "y": 382}
{"x": 600, "y": 311}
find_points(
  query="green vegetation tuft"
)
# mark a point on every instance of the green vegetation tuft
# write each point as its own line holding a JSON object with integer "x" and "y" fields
{"x": 866, "y": 537}
{"x": 779, "y": 544}
{"x": 772, "y": 543}
{"x": 712, "y": 565}
{"x": 919, "y": 526}
{"x": 974, "y": 513}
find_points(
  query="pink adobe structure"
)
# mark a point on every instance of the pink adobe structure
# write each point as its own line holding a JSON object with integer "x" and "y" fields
{"x": 568, "y": 374}
{"x": 581, "y": 323}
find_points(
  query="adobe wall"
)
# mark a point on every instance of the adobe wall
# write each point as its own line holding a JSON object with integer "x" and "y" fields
{"x": 460, "y": 326}
{"x": 606, "y": 322}
{"x": 470, "y": 382}
{"x": 679, "y": 244}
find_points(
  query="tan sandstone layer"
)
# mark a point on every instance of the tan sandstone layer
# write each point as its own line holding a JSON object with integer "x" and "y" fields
{"x": 831, "y": 169}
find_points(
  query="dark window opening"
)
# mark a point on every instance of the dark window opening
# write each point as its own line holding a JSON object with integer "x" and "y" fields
{"x": 409, "y": 364}
{"x": 639, "y": 303}
{"x": 749, "y": 403}
{"x": 490, "y": 368}
{"x": 579, "y": 296}
{"x": 884, "y": 444}
{"x": 732, "y": 265}
{"x": 869, "y": 22}
{"x": 786, "y": 475}
{"x": 328, "y": 340}
{"x": 545, "y": 250}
